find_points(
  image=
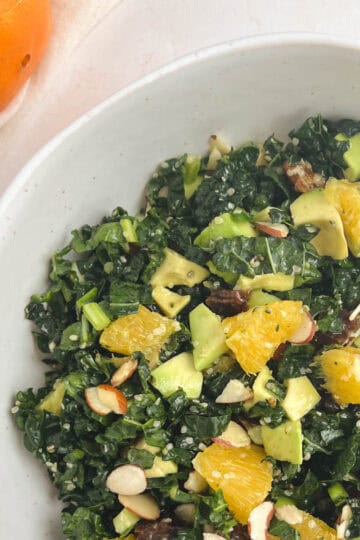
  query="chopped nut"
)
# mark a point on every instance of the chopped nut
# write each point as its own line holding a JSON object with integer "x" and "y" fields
{"x": 302, "y": 176}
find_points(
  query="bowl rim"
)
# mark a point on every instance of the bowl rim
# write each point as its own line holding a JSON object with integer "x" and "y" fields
{"x": 280, "y": 39}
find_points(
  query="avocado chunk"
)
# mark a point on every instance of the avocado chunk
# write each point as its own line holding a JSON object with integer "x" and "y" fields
{"x": 161, "y": 468}
{"x": 192, "y": 180}
{"x": 178, "y": 372}
{"x": 351, "y": 156}
{"x": 260, "y": 392}
{"x": 177, "y": 270}
{"x": 261, "y": 298}
{"x": 168, "y": 301}
{"x": 143, "y": 445}
{"x": 301, "y": 397}
{"x": 125, "y": 521}
{"x": 207, "y": 336}
{"x": 262, "y": 215}
{"x": 53, "y": 401}
{"x": 314, "y": 208}
{"x": 255, "y": 435}
{"x": 225, "y": 226}
{"x": 284, "y": 442}
{"x": 269, "y": 282}
{"x": 228, "y": 277}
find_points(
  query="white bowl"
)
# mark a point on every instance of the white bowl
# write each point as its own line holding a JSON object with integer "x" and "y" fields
{"x": 246, "y": 89}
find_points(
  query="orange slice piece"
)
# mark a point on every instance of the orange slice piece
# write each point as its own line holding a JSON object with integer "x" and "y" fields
{"x": 254, "y": 335}
{"x": 345, "y": 196}
{"x": 144, "y": 331}
{"x": 312, "y": 528}
{"x": 341, "y": 369}
{"x": 241, "y": 473}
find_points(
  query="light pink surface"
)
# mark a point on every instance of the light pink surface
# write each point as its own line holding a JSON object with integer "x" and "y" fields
{"x": 99, "y": 46}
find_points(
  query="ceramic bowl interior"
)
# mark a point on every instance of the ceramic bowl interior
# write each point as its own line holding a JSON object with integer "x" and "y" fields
{"x": 243, "y": 90}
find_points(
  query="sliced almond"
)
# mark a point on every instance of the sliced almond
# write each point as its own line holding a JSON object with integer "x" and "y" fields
{"x": 259, "y": 521}
{"x": 195, "y": 483}
{"x": 306, "y": 330}
{"x": 143, "y": 506}
{"x": 92, "y": 400}
{"x": 127, "y": 480}
{"x": 112, "y": 398}
{"x": 234, "y": 392}
{"x": 185, "y": 512}
{"x": 212, "y": 536}
{"x": 124, "y": 372}
{"x": 278, "y": 230}
{"x": 234, "y": 436}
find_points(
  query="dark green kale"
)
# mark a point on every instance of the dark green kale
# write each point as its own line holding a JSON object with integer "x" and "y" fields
{"x": 261, "y": 255}
{"x": 316, "y": 143}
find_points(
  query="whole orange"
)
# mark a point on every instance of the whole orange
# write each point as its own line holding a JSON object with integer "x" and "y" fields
{"x": 24, "y": 33}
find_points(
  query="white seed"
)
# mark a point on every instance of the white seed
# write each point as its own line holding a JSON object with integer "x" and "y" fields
{"x": 127, "y": 480}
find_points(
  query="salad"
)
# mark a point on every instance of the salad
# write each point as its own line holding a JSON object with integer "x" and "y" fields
{"x": 203, "y": 369}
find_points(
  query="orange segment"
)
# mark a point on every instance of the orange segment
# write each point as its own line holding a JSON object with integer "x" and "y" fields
{"x": 24, "y": 33}
{"x": 312, "y": 528}
{"x": 241, "y": 473}
{"x": 143, "y": 331}
{"x": 254, "y": 335}
{"x": 341, "y": 369}
{"x": 345, "y": 196}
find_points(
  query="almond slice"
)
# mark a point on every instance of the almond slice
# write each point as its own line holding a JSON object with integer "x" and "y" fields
{"x": 112, "y": 398}
{"x": 127, "y": 480}
{"x": 278, "y": 230}
{"x": 259, "y": 521}
{"x": 124, "y": 372}
{"x": 92, "y": 400}
{"x": 234, "y": 392}
{"x": 234, "y": 436}
{"x": 211, "y": 536}
{"x": 306, "y": 330}
{"x": 143, "y": 506}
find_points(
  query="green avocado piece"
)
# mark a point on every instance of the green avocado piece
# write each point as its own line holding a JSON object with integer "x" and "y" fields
{"x": 269, "y": 282}
{"x": 261, "y": 298}
{"x": 314, "y": 208}
{"x": 225, "y": 226}
{"x": 125, "y": 521}
{"x": 228, "y": 277}
{"x": 260, "y": 392}
{"x": 192, "y": 180}
{"x": 262, "y": 215}
{"x": 301, "y": 397}
{"x": 177, "y": 270}
{"x": 168, "y": 301}
{"x": 161, "y": 468}
{"x": 207, "y": 336}
{"x": 178, "y": 372}
{"x": 351, "y": 156}
{"x": 255, "y": 435}
{"x": 284, "y": 442}
{"x": 53, "y": 401}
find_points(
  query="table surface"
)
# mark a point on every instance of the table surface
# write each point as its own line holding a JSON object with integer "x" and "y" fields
{"x": 99, "y": 46}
